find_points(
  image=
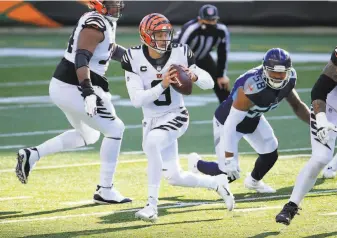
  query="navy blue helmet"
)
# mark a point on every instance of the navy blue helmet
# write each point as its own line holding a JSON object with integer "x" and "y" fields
{"x": 209, "y": 12}
{"x": 277, "y": 60}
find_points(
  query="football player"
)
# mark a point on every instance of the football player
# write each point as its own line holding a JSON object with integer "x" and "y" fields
{"x": 323, "y": 137}
{"x": 148, "y": 75}
{"x": 80, "y": 89}
{"x": 259, "y": 90}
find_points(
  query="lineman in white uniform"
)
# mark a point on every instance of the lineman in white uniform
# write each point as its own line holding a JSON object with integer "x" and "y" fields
{"x": 323, "y": 135}
{"x": 80, "y": 89}
{"x": 148, "y": 76}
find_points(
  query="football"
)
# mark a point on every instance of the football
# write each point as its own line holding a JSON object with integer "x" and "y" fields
{"x": 184, "y": 83}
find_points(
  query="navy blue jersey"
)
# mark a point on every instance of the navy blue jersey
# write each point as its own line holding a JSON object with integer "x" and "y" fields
{"x": 262, "y": 96}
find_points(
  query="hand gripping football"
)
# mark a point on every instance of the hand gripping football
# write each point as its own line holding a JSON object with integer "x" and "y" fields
{"x": 184, "y": 83}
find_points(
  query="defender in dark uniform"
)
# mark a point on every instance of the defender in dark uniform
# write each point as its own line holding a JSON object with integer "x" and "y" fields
{"x": 202, "y": 35}
{"x": 259, "y": 90}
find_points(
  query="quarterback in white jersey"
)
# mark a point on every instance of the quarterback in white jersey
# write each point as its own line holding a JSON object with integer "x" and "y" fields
{"x": 148, "y": 75}
{"x": 80, "y": 89}
{"x": 323, "y": 134}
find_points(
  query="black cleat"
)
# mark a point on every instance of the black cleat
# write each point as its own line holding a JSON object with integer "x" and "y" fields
{"x": 287, "y": 214}
{"x": 23, "y": 168}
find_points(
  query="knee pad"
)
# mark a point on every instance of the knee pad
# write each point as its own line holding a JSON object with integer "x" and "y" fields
{"x": 91, "y": 137}
{"x": 151, "y": 141}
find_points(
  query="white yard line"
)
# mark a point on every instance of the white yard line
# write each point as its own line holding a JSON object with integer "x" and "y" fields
{"x": 8, "y": 147}
{"x": 121, "y": 78}
{"x": 48, "y": 132}
{"x": 13, "y": 198}
{"x": 182, "y": 156}
{"x": 176, "y": 205}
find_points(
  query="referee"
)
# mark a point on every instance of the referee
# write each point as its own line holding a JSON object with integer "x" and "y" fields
{"x": 202, "y": 35}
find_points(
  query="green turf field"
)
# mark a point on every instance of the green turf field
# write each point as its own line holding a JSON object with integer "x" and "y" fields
{"x": 55, "y": 201}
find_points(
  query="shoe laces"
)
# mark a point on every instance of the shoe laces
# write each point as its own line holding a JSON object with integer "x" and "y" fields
{"x": 292, "y": 210}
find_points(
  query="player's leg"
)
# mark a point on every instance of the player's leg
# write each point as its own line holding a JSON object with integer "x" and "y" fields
{"x": 265, "y": 144}
{"x": 158, "y": 134}
{"x": 81, "y": 135}
{"x": 320, "y": 156}
{"x": 111, "y": 126}
{"x": 212, "y": 168}
{"x": 177, "y": 177}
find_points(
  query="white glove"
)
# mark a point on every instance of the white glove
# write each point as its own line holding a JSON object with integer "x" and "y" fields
{"x": 90, "y": 105}
{"x": 230, "y": 167}
{"x": 323, "y": 127}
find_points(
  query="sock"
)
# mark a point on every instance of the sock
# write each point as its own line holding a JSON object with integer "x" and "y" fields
{"x": 209, "y": 168}
{"x": 333, "y": 163}
{"x": 306, "y": 180}
{"x": 153, "y": 192}
{"x": 263, "y": 164}
{"x": 109, "y": 153}
{"x": 68, "y": 140}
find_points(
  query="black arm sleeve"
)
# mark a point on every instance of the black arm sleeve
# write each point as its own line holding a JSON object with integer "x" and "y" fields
{"x": 322, "y": 88}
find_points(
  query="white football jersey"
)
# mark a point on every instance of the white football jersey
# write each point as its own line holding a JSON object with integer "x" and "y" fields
{"x": 150, "y": 76}
{"x": 99, "y": 62}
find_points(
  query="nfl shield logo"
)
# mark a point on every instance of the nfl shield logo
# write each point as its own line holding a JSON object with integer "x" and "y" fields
{"x": 210, "y": 11}
{"x": 158, "y": 68}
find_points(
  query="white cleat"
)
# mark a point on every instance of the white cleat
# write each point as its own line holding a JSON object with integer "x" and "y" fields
{"x": 258, "y": 186}
{"x": 224, "y": 191}
{"x": 26, "y": 159}
{"x": 149, "y": 213}
{"x": 193, "y": 159}
{"x": 109, "y": 195}
{"x": 329, "y": 173}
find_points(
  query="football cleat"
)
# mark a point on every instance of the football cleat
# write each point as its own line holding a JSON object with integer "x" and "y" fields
{"x": 287, "y": 213}
{"x": 193, "y": 159}
{"x": 109, "y": 195}
{"x": 329, "y": 173}
{"x": 23, "y": 167}
{"x": 224, "y": 191}
{"x": 258, "y": 186}
{"x": 149, "y": 213}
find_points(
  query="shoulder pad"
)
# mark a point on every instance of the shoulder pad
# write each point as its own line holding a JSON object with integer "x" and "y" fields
{"x": 94, "y": 20}
{"x": 253, "y": 84}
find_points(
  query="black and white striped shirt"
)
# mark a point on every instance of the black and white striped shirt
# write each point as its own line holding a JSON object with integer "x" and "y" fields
{"x": 202, "y": 41}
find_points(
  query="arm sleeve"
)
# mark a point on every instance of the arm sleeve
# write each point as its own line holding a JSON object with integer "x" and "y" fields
{"x": 323, "y": 86}
{"x": 229, "y": 129}
{"x": 223, "y": 50}
{"x": 138, "y": 95}
{"x": 118, "y": 53}
{"x": 205, "y": 80}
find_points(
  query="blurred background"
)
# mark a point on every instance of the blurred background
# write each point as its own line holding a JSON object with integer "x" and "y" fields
{"x": 34, "y": 34}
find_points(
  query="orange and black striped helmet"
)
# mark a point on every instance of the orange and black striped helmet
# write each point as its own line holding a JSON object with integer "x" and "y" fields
{"x": 151, "y": 25}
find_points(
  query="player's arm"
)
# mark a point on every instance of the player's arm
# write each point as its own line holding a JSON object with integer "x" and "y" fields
{"x": 199, "y": 76}
{"x": 88, "y": 39}
{"x": 298, "y": 106}
{"x": 323, "y": 86}
{"x": 238, "y": 112}
{"x": 140, "y": 96}
{"x": 118, "y": 53}
{"x": 223, "y": 51}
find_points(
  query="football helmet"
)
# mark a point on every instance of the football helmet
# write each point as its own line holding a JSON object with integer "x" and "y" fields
{"x": 156, "y": 32}
{"x": 276, "y": 60}
{"x": 112, "y": 10}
